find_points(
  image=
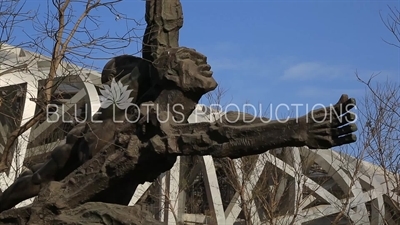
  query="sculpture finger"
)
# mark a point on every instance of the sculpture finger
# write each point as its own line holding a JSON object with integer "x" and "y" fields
{"x": 336, "y": 132}
{"x": 324, "y": 112}
{"x": 343, "y": 98}
{"x": 341, "y": 107}
{"x": 330, "y": 114}
{"x": 347, "y": 118}
{"x": 344, "y": 105}
{"x": 347, "y": 139}
{"x": 334, "y": 122}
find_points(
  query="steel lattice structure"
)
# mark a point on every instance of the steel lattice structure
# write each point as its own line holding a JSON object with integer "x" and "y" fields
{"x": 311, "y": 186}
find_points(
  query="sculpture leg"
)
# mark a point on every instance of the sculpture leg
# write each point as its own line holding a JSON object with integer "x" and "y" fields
{"x": 22, "y": 189}
{"x": 29, "y": 183}
{"x": 61, "y": 157}
{"x": 64, "y": 159}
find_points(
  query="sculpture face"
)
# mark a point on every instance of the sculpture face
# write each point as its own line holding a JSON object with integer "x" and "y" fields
{"x": 186, "y": 68}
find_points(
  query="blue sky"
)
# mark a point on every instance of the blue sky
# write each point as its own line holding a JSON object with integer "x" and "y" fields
{"x": 291, "y": 52}
{"x": 273, "y": 52}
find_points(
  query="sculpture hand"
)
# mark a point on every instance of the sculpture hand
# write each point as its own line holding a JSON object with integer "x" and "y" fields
{"x": 330, "y": 126}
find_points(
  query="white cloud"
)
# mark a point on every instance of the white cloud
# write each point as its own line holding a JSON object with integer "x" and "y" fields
{"x": 321, "y": 92}
{"x": 312, "y": 70}
{"x": 233, "y": 64}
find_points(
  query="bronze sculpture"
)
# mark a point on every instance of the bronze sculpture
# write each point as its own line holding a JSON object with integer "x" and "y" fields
{"x": 93, "y": 165}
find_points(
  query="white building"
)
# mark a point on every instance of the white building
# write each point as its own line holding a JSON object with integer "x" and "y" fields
{"x": 296, "y": 186}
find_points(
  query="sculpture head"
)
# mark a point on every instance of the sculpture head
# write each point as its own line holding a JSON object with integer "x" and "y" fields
{"x": 181, "y": 71}
{"x": 186, "y": 69}
{"x": 118, "y": 67}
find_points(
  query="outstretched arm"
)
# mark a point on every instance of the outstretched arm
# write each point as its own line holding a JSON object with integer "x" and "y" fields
{"x": 323, "y": 128}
